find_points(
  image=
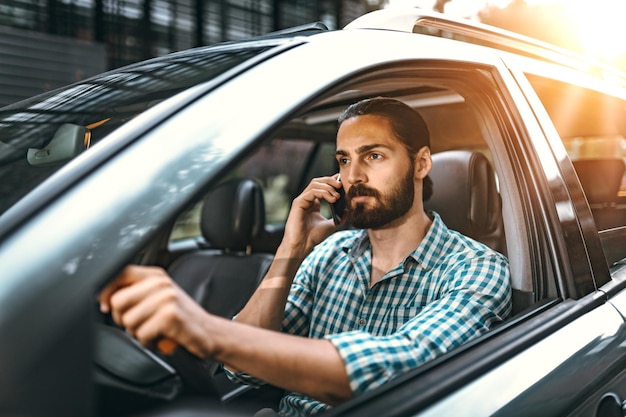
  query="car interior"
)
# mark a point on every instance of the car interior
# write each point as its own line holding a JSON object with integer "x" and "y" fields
{"x": 220, "y": 248}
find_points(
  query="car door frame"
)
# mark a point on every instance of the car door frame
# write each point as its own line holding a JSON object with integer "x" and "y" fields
{"x": 437, "y": 390}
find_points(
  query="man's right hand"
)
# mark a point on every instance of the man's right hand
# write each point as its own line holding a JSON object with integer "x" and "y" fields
{"x": 152, "y": 308}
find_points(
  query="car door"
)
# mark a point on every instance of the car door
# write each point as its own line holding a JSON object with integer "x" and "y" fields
{"x": 508, "y": 370}
{"x": 561, "y": 359}
{"x": 589, "y": 139}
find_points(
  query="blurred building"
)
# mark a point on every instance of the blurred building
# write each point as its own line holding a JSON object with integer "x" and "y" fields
{"x": 45, "y": 44}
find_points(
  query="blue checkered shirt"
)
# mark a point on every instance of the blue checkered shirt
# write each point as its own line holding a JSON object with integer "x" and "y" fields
{"x": 449, "y": 290}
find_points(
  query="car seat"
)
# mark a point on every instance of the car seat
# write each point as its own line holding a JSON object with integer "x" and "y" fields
{"x": 601, "y": 180}
{"x": 223, "y": 277}
{"x": 466, "y": 196}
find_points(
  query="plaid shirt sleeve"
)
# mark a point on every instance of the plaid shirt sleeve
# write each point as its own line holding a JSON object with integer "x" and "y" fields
{"x": 477, "y": 296}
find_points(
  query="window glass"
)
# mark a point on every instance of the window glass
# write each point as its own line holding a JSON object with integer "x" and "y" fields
{"x": 592, "y": 126}
{"x": 278, "y": 167}
{"x": 323, "y": 164}
{"x": 272, "y": 165}
{"x": 40, "y": 135}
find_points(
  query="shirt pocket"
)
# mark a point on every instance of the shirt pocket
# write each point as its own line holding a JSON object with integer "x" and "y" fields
{"x": 396, "y": 316}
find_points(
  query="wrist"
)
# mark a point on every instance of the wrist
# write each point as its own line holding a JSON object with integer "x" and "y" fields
{"x": 204, "y": 346}
{"x": 295, "y": 251}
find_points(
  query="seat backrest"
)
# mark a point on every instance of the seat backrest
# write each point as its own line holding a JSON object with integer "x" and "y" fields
{"x": 223, "y": 278}
{"x": 233, "y": 213}
{"x": 466, "y": 196}
{"x": 600, "y": 178}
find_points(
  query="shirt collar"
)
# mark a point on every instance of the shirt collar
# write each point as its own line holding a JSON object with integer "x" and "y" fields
{"x": 427, "y": 253}
{"x": 355, "y": 246}
{"x": 431, "y": 248}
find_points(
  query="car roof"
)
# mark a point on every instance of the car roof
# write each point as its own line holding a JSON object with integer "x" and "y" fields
{"x": 418, "y": 20}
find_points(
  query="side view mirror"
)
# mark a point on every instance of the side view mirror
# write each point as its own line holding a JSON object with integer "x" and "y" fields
{"x": 68, "y": 141}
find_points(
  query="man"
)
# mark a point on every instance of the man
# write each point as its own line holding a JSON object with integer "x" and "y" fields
{"x": 341, "y": 313}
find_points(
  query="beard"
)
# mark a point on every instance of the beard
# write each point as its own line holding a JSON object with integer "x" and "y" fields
{"x": 389, "y": 206}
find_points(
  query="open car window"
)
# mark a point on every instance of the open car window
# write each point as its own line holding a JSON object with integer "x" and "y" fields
{"x": 303, "y": 148}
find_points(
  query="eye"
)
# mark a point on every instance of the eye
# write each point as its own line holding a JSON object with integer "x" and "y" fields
{"x": 375, "y": 155}
{"x": 342, "y": 160}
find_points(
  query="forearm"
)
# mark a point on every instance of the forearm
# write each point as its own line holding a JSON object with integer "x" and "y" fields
{"x": 312, "y": 367}
{"x": 266, "y": 307}
{"x": 305, "y": 228}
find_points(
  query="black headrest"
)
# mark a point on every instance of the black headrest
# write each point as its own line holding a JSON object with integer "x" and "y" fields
{"x": 600, "y": 178}
{"x": 233, "y": 214}
{"x": 465, "y": 195}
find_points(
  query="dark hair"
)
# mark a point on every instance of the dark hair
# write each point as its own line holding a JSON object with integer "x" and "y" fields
{"x": 406, "y": 123}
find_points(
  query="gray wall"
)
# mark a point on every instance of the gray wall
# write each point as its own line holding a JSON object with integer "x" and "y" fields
{"x": 32, "y": 62}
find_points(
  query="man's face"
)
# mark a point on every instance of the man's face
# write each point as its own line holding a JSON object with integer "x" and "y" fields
{"x": 389, "y": 205}
{"x": 376, "y": 170}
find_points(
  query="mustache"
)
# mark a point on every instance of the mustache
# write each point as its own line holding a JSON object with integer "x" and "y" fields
{"x": 361, "y": 190}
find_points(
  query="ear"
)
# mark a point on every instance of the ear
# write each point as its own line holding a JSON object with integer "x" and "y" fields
{"x": 423, "y": 162}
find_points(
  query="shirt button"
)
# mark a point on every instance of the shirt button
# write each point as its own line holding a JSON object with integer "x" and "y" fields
{"x": 361, "y": 322}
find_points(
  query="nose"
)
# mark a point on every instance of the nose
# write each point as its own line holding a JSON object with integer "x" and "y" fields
{"x": 355, "y": 173}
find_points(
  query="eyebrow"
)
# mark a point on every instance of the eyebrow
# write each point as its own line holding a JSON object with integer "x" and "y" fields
{"x": 361, "y": 149}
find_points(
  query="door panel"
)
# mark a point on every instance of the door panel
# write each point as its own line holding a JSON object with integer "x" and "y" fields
{"x": 553, "y": 377}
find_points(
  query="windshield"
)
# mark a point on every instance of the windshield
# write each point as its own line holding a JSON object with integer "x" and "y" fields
{"x": 40, "y": 135}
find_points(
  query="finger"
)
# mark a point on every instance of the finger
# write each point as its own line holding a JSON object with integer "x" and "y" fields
{"x": 130, "y": 304}
{"x": 165, "y": 322}
{"x": 321, "y": 190}
{"x": 135, "y": 305}
{"x": 129, "y": 275}
{"x": 181, "y": 324}
{"x": 121, "y": 281}
{"x": 337, "y": 185}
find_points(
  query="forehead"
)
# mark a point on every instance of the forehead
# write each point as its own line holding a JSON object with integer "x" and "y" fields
{"x": 366, "y": 130}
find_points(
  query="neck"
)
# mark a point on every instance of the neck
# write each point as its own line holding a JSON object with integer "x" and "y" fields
{"x": 392, "y": 243}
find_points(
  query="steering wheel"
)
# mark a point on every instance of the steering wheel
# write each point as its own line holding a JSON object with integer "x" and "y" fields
{"x": 121, "y": 362}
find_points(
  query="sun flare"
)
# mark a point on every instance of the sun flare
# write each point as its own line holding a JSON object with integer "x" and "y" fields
{"x": 597, "y": 27}
{"x": 602, "y": 30}
{"x": 593, "y": 27}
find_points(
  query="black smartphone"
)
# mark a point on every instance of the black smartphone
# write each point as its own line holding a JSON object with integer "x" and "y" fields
{"x": 338, "y": 207}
